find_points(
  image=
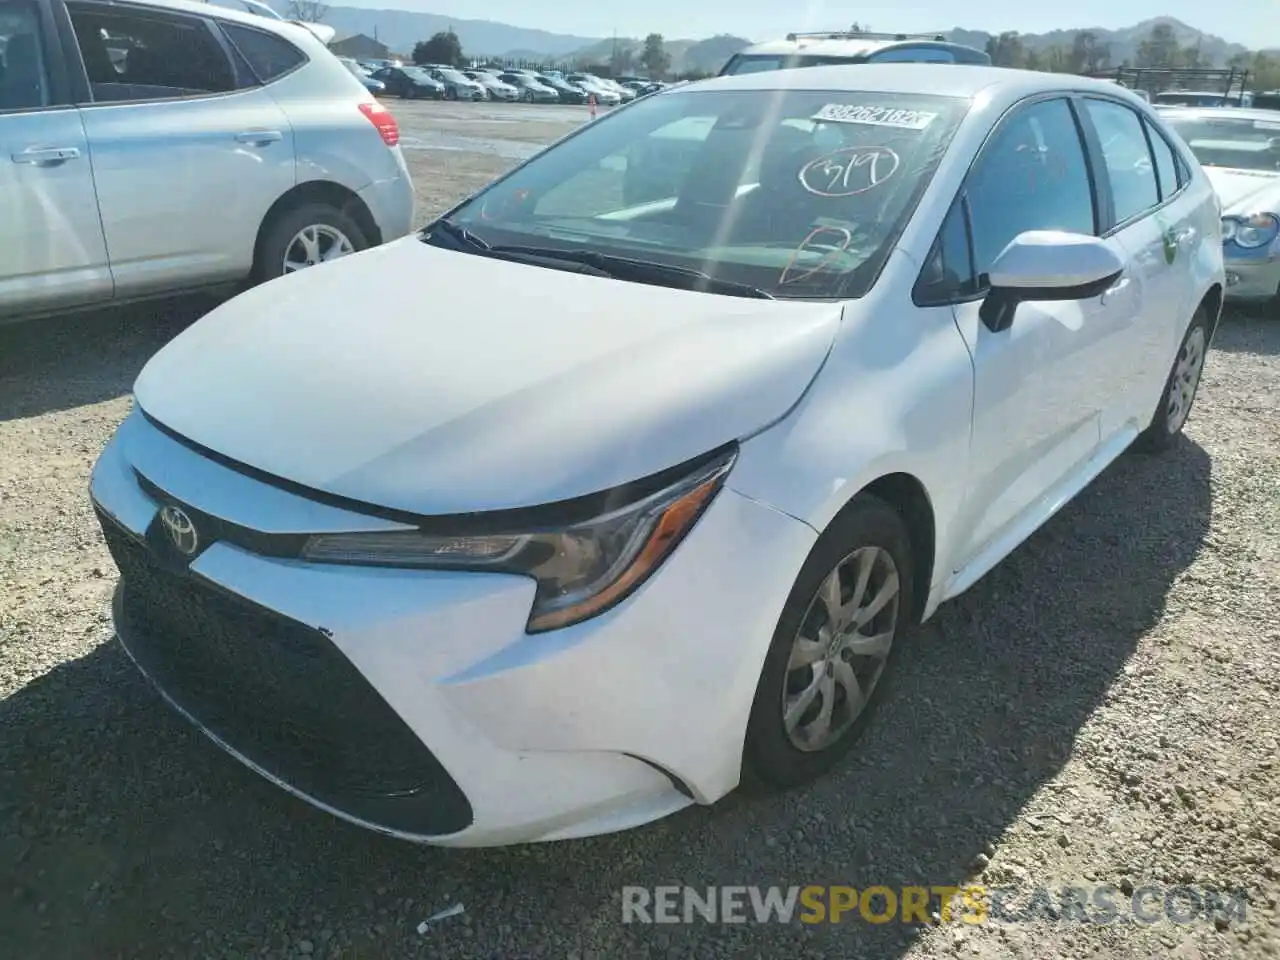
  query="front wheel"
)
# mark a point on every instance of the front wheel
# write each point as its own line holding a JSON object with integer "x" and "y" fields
{"x": 528, "y": 97}
{"x": 849, "y": 610}
{"x": 1180, "y": 389}
{"x": 304, "y": 237}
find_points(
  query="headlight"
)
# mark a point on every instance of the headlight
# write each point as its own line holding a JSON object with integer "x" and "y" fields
{"x": 1251, "y": 232}
{"x": 581, "y": 569}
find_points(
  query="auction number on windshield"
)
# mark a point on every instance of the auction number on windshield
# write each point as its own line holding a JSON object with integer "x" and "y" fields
{"x": 850, "y": 171}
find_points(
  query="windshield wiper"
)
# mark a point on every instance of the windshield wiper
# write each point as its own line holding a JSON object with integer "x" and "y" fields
{"x": 630, "y": 268}
{"x": 458, "y": 232}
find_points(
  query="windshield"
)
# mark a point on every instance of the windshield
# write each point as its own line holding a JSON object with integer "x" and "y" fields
{"x": 760, "y": 63}
{"x": 416, "y": 73}
{"x": 798, "y": 193}
{"x": 1239, "y": 142}
{"x": 453, "y": 76}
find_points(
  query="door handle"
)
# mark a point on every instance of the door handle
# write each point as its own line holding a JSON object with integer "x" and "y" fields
{"x": 1115, "y": 289}
{"x": 46, "y": 155}
{"x": 259, "y": 138}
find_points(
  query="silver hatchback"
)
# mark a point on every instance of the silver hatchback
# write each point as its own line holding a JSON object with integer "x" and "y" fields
{"x": 154, "y": 147}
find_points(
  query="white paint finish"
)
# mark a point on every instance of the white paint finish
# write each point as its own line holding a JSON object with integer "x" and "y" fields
{"x": 587, "y": 383}
{"x": 1245, "y": 192}
{"x": 479, "y": 383}
{"x": 221, "y": 492}
{"x": 1052, "y": 258}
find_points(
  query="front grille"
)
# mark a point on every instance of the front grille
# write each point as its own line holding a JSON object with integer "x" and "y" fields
{"x": 280, "y": 693}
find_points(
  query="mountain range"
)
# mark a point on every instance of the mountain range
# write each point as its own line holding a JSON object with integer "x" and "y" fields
{"x": 401, "y": 29}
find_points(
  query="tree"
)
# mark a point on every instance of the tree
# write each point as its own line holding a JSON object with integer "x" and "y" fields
{"x": 1006, "y": 50}
{"x": 857, "y": 27}
{"x": 308, "y": 11}
{"x": 1160, "y": 49}
{"x": 1087, "y": 54}
{"x": 622, "y": 60}
{"x": 654, "y": 58}
{"x": 443, "y": 47}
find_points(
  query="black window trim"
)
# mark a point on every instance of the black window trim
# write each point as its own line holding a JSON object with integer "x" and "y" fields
{"x": 54, "y": 54}
{"x": 151, "y": 13}
{"x": 1096, "y": 144}
{"x": 239, "y": 57}
{"x": 1099, "y": 192}
{"x": 1179, "y": 183}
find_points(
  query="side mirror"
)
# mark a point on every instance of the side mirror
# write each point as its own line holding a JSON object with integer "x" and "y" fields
{"x": 1048, "y": 265}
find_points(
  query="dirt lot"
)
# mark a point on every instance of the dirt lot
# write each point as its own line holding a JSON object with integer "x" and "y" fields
{"x": 1101, "y": 709}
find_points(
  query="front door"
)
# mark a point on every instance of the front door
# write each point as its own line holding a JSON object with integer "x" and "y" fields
{"x": 1036, "y": 413}
{"x": 52, "y": 252}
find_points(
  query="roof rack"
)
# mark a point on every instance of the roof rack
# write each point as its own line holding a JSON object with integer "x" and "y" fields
{"x": 863, "y": 35}
{"x": 1155, "y": 80}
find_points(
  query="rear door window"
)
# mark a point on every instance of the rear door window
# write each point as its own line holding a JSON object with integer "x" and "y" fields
{"x": 136, "y": 54}
{"x": 1126, "y": 157}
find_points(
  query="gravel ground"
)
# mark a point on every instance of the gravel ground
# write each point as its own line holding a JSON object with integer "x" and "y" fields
{"x": 1101, "y": 708}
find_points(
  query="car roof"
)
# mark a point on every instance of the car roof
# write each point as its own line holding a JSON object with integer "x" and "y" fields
{"x": 201, "y": 9}
{"x": 947, "y": 79}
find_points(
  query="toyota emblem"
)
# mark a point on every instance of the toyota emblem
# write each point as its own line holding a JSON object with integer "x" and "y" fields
{"x": 182, "y": 532}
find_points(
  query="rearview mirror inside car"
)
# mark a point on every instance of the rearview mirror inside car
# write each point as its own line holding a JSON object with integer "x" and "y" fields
{"x": 1048, "y": 265}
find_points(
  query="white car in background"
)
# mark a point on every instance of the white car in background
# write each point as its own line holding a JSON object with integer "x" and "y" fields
{"x": 655, "y": 492}
{"x": 1240, "y": 152}
{"x": 184, "y": 145}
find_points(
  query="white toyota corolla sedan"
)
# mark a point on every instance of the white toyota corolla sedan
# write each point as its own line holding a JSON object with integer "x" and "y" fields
{"x": 655, "y": 451}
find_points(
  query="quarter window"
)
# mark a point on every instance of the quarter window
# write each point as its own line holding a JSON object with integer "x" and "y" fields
{"x": 268, "y": 56}
{"x": 1031, "y": 175}
{"x": 948, "y": 275}
{"x": 1166, "y": 164}
{"x": 1126, "y": 157}
{"x": 24, "y": 81}
{"x": 148, "y": 56}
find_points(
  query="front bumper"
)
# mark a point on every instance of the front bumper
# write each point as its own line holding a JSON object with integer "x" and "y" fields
{"x": 413, "y": 702}
{"x": 1253, "y": 277}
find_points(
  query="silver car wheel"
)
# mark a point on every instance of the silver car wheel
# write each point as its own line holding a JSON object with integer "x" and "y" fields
{"x": 318, "y": 243}
{"x": 1185, "y": 380}
{"x": 841, "y": 649}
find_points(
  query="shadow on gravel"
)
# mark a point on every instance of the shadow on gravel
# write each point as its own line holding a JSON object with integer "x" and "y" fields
{"x": 67, "y": 362}
{"x": 124, "y": 834}
{"x": 1248, "y": 331}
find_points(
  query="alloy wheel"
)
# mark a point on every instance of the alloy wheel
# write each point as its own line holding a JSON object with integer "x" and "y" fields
{"x": 1185, "y": 380}
{"x": 318, "y": 243}
{"x": 841, "y": 648}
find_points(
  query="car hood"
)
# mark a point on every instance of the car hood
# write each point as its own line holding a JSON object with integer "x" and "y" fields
{"x": 1243, "y": 192}
{"x": 433, "y": 381}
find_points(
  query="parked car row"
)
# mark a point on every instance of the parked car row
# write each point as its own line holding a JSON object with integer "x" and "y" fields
{"x": 438, "y": 81}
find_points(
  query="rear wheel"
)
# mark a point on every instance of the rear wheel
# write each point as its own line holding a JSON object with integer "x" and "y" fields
{"x": 1180, "y": 389}
{"x": 843, "y": 622}
{"x": 305, "y": 236}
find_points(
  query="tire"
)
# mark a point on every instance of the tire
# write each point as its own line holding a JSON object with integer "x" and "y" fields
{"x": 451, "y": 94}
{"x": 528, "y": 97}
{"x": 1167, "y": 423}
{"x": 867, "y": 530}
{"x": 280, "y": 235}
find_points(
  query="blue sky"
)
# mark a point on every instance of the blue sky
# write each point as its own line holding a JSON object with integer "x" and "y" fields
{"x": 1255, "y": 23}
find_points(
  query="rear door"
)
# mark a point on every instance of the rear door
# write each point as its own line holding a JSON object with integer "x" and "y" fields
{"x": 189, "y": 149}
{"x": 1151, "y": 214}
{"x": 52, "y": 251}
